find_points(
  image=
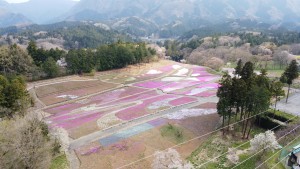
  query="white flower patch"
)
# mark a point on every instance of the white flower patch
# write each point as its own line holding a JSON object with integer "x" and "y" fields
{"x": 108, "y": 121}
{"x": 160, "y": 104}
{"x": 192, "y": 79}
{"x": 172, "y": 79}
{"x": 170, "y": 89}
{"x": 130, "y": 79}
{"x": 90, "y": 107}
{"x": 118, "y": 90}
{"x": 182, "y": 72}
{"x": 199, "y": 90}
{"x": 176, "y": 66}
{"x": 186, "y": 113}
{"x": 154, "y": 72}
{"x": 68, "y": 96}
{"x": 195, "y": 74}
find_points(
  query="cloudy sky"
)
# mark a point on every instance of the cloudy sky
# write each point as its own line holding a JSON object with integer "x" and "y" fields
{"x": 19, "y": 1}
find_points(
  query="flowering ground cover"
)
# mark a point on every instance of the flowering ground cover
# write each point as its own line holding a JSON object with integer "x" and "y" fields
{"x": 50, "y": 94}
{"x": 199, "y": 71}
{"x": 151, "y": 84}
{"x": 186, "y": 113}
{"x": 134, "y": 98}
{"x": 116, "y": 94}
{"x": 141, "y": 109}
{"x": 182, "y": 72}
{"x": 63, "y": 109}
{"x": 151, "y": 88}
{"x": 182, "y": 100}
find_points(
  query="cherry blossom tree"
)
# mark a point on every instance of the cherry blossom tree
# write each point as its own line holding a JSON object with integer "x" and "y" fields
{"x": 169, "y": 159}
{"x": 264, "y": 141}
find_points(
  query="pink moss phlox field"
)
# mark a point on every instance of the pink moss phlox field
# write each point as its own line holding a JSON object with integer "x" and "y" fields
{"x": 134, "y": 98}
{"x": 74, "y": 123}
{"x": 107, "y": 96}
{"x": 166, "y": 69}
{"x": 93, "y": 150}
{"x": 123, "y": 146}
{"x": 207, "y": 94}
{"x": 63, "y": 109}
{"x": 198, "y": 69}
{"x": 206, "y": 78}
{"x": 132, "y": 91}
{"x": 140, "y": 109}
{"x": 179, "y": 85}
{"x": 158, "y": 122}
{"x": 58, "y": 119}
{"x": 150, "y": 84}
{"x": 116, "y": 94}
{"x": 210, "y": 85}
{"x": 182, "y": 100}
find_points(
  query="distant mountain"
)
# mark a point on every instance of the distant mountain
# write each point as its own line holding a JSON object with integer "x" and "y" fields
{"x": 173, "y": 17}
{"x": 135, "y": 26}
{"x": 8, "y": 18}
{"x": 166, "y": 18}
{"x": 40, "y": 11}
{"x": 216, "y": 10}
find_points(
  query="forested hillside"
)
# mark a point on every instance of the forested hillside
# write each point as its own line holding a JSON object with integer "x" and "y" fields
{"x": 68, "y": 35}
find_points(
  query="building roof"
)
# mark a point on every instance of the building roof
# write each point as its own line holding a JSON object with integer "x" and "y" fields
{"x": 296, "y": 149}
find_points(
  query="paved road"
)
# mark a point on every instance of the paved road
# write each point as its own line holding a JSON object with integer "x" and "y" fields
{"x": 293, "y": 105}
{"x": 104, "y": 133}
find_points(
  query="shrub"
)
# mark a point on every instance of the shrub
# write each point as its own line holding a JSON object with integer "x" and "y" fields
{"x": 267, "y": 123}
{"x": 281, "y": 116}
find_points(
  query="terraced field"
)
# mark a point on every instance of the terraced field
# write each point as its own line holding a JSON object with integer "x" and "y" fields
{"x": 120, "y": 116}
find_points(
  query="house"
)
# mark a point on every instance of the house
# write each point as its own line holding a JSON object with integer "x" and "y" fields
{"x": 294, "y": 158}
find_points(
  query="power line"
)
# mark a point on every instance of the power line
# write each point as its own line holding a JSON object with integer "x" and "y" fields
{"x": 198, "y": 137}
{"x": 264, "y": 148}
{"x": 243, "y": 143}
{"x": 278, "y": 152}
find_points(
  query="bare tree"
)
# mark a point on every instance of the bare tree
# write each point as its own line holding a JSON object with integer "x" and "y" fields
{"x": 214, "y": 63}
{"x": 295, "y": 49}
{"x": 281, "y": 58}
{"x": 169, "y": 159}
{"x": 24, "y": 143}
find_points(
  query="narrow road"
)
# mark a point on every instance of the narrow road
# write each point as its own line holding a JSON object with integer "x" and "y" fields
{"x": 293, "y": 105}
{"x": 104, "y": 133}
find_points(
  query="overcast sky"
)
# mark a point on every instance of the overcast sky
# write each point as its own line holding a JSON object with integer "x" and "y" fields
{"x": 19, "y": 1}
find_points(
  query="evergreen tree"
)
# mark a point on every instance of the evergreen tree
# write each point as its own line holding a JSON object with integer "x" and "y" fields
{"x": 51, "y": 68}
{"x": 225, "y": 94}
{"x": 289, "y": 75}
{"x": 238, "y": 68}
{"x": 277, "y": 91}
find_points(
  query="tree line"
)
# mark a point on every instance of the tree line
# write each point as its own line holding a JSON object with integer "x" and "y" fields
{"x": 38, "y": 63}
{"x": 246, "y": 94}
{"x": 106, "y": 57}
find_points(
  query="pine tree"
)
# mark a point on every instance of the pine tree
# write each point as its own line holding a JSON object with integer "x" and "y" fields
{"x": 277, "y": 91}
{"x": 290, "y": 74}
{"x": 238, "y": 68}
{"x": 225, "y": 94}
